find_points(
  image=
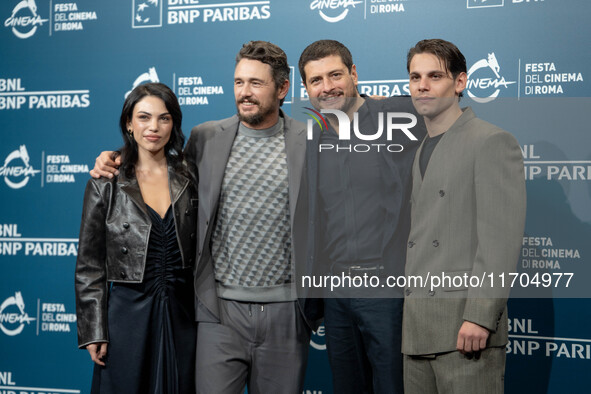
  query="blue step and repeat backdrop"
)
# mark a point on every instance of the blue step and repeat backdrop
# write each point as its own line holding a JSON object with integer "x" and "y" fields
{"x": 65, "y": 68}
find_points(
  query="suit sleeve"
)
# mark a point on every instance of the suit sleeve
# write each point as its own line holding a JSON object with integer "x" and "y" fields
{"x": 91, "y": 270}
{"x": 500, "y": 209}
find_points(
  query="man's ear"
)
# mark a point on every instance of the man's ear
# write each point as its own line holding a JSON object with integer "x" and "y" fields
{"x": 284, "y": 89}
{"x": 461, "y": 81}
{"x": 354, "y": 74}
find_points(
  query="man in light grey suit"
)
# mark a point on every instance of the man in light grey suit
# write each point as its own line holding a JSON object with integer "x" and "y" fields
{"x": 467, "y": 220}
{"x": 251, "y": 328}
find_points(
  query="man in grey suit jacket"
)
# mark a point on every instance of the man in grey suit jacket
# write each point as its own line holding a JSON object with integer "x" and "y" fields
{"x": 467, "y": 222}
{"x": 251, "y": 327}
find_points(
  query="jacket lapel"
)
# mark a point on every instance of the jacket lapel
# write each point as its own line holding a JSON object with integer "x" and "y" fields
{"x": 177, "y": 184}
{"x": 417, "y": 179}
{"x": 295, "y": 151}
{"x": 132, "y": 189}
{"x": 222, "y": 146}
{"x": 312, "y": 153}
{"x": 439, "y": 160}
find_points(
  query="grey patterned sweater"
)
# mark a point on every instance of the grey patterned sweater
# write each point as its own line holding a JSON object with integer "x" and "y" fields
{"x": 251, "y": 242}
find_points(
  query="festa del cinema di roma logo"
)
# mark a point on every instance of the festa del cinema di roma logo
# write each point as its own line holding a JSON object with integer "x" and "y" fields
{"x": 338, "y": 7}
{"x": 17, "y": 176}
{"x": 11, "y": 317}
{"x": 24, "y": 19}
{"x": 480, "y": 82}
{"x": 345, "y": 130}
{"x": 149, "y": 76}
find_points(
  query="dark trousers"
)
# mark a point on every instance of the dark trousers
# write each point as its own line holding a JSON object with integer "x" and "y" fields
{"x": 363, "y": 337}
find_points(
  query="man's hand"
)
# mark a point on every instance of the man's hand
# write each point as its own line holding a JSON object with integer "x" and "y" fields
{"x": 98, "y": 352}
{"x": 104, "y": 165}
{"x": 471, "y": 338}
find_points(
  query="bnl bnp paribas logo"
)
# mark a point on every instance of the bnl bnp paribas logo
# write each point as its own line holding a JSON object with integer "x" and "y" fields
{"x": 13, "y": 316}
{"x": 395, "y": 121}
{"x": 146, "y": 13}
{"x": 24, "y": 19}
{"x": 485, "y": 80}
{"x": 17, "y": 168}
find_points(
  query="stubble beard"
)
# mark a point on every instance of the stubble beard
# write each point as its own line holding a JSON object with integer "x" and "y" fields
{"x": 257, "y": 118}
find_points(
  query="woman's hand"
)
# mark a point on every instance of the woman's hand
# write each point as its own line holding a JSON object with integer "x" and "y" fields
{"x": 98, "y": 352}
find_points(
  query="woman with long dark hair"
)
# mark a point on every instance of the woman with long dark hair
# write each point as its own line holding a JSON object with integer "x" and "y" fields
{"x": 134, "y": 283}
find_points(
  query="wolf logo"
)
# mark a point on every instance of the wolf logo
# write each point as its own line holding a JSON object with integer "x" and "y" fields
{"x": 24, "y": 21}
{"x": 149, "y": 76}
{"x": 492, "y": 63}
{"x": 18, "y": 171}
{"x": 14, "y": 318}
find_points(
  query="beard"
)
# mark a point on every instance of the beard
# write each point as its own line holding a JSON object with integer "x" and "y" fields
{"x": 255, "y": 119}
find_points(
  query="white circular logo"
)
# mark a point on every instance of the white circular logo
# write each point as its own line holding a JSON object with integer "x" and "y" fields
{"x": 17, "y": 176}
{"x": 24, "y": 19}
{"x": 486, "y": 84}
{"x": 317, "y": 341}
{"x": 12, "y": 319}
{"x": 150, "y": 76}
{"x": 321, "y": 5}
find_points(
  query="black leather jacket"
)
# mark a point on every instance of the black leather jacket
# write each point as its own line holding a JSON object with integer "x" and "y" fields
{"x": 113, "y": 242}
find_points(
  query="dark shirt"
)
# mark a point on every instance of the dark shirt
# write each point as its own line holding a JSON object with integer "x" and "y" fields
{"x": 353, "y": 199}
{"x": 427, "y": 151}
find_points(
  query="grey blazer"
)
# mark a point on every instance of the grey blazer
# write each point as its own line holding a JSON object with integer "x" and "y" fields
{"x": 207, "y": 153}
{"x": 467, "y": 217}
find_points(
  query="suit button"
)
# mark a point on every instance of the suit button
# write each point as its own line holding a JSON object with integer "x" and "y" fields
{"x": 432, "y": 293}
{"x": 441, "y": 193}
{"x": 125, "y": 225}
{"x": 192, "y": 235}
{"x": 411, "y": 244}
{"x": 408, "y": 292}
{"x": 191, "y": 260}
{"x": 207, "y": 222}
{"x": 436, "y": 243}
{"x": 199, "y": 254}
{"x": 187, "y": 212}
{"x": 123, "y": 275}
{"x": 124, "y": 250}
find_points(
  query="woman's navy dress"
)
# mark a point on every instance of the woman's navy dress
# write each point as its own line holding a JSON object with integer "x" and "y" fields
{"x": 152, "y": 331}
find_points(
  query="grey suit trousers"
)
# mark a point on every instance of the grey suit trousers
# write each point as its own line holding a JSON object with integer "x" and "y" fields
{"x": 261, "y": 345}
{"x": 455, "y": 373}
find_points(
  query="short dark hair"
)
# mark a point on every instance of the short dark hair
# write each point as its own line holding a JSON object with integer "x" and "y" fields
{"x": 173, "y": 150}
{"x": 453, "y": 60}
{"x": 321, "y": 49}
{"x": 270, "y": 54}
